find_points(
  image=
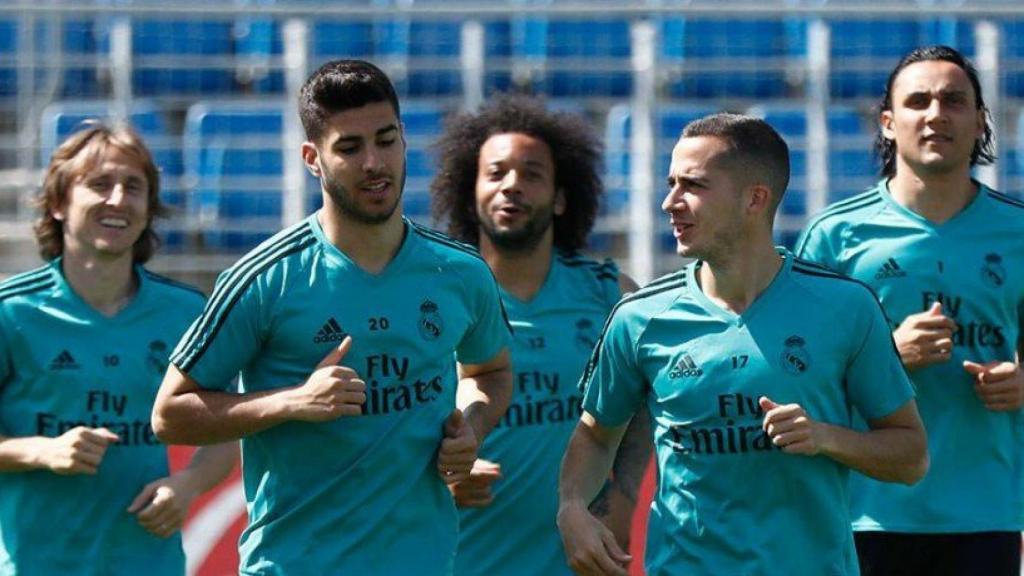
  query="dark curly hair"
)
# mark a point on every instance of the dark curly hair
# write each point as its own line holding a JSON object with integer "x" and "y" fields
{"x": 885, "y": 149}
{"x": 575, "y": 149}
{"x": 72, "y": 160}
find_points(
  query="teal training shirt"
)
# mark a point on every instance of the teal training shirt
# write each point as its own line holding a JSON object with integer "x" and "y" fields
{"x": 974, "y": 265}
{"x": 62, "y": 365}
{"x": 356, "y": 495}
{"x": 728, "y": 501}
{"x": 555, "y": 333}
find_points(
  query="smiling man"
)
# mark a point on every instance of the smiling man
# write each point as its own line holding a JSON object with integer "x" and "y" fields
{"x": 945, "y": 255}
{"x": 84, "y": 341}
{"x": 749, "y": 384}
{"x": 524, "y": 184}
{"x": 357, "y": 333}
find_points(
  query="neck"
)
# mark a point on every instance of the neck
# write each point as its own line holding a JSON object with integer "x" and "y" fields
{"x": 520, "y": 272}
{"x": 370, "y": 246}
{"x": 107, "y": 285}
{"x": 734, "y": 282}
{"x": 937, "y": 197}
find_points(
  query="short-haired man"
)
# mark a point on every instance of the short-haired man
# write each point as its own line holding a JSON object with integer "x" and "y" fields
{"x": 346, "y": 329}
{"x": 84, "y": 342}
{"x": 748, "y": 380}
{"x": 524, "y": 185}
{"x": 944, "y": 254}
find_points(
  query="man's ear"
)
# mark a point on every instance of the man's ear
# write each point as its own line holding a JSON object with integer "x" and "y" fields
{"x": 760, "y": 200}
{"x": 885, "y": 124}
{"x": 310, "y": 155}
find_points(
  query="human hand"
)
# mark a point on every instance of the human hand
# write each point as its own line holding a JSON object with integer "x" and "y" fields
{"x": 999, "y": 385}
{"x": 475, "y": 490}
{"x": 77, "y": 451}
{"x": 162, "y": 505}
{"x": 790, "y": 428}
{"x": 331, "y": 391}
{"x": 457, "y": 453}
{"x": 925, "y": 338}
{"x": 590, "y": 547}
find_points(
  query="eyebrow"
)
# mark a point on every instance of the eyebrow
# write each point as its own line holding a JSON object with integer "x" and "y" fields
{"x": 692, "y": 179}
{"x": 381, "y": 132}
{"x": 943, "y": 92}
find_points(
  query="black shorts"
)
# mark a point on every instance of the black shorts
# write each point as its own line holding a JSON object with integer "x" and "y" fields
{"x": 963, "y": 554}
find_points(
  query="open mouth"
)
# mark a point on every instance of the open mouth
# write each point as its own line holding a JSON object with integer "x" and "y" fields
{"x": 114, "y": 223}
{"x": 376, "y": 187}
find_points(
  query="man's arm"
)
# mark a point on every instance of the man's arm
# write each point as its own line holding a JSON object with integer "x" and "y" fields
{"x": 895, "y": 449}
{"x": 162, "y": 505}
{"x": 483, "y": 395}
{"x": 185, "y": 413}
{"x": 590, "y": 547}
{"x": 77, "y": 451}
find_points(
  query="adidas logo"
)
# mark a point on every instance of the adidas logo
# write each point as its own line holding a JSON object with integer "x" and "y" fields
{"x": 891, "y": 269}
{"x": 330, "y": 332}
{"x": 685, "y": 367}
{"x": 64, "y": 361}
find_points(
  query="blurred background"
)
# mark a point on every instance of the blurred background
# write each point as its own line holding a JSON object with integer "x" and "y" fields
{"x": 211, "y": 86}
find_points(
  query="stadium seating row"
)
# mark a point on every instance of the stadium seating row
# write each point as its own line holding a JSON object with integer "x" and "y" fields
{"x": 225, "y": 170}
{"x": 563, "y": 57}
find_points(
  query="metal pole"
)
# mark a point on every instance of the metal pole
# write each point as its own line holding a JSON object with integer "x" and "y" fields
{"x": 472, "y": 60}
{"x": 817, "y": 144}
{"x": 296, "y": 68}
{"x": 987, "y": 39}
{"x": 642, "y": 152}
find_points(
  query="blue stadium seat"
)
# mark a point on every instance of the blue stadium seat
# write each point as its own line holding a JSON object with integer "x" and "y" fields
{"x": 757, "y": 50}
{"x": 76, "y": 39}
{"x": 865, "y": 51}
{"x": 579, "y": 58}
{"x": 234, "y": 162}
{"x": 61, "y": 119}
{"x": 849, "y": 151}
{"x": 423, "y": 124}
{"x": 163, "y": 48}
{"x": 8, "y": 52}
{"x": 1012, "y": 63}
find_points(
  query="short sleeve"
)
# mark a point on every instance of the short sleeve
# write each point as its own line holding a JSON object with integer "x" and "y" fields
{"x": 490, "y": 331}
{"x": 613, "y": 385}
{"x": 6, "y": 364}
{"x": 223, "y": 339}
{"x": 814, "y": 245}
{"x": 876, "y": 380}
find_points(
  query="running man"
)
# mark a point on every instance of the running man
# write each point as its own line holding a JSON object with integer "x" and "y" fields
{"x": 944, "y": 254}
{"x": 748, "y": 381}
{"x": 346, "y": 329}
{"x": 524, "y": 185}
{"x": 84, "y": 343}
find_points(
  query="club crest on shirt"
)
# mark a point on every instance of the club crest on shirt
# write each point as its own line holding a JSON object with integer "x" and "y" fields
{"x": 795, "y": 358}
{"x": 992, "y": 272}
{"x": 586, "y": 335}
{"x": 431, "y": 325}
{"x": 156, "y": 358}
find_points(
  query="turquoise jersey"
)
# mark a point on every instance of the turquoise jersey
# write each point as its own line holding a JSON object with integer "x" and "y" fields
{"x": 555, "y": 333}
{"x": 356, "y": 495}
{"x": 974, "y": 265}
{"x": 62, "y": 365}
{"x": 728, "y": 501}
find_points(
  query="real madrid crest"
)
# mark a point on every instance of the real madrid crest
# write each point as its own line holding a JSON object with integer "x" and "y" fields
{"x": 795, "y": 358}
{"x": 585, "y": 337}
{"x": 992, "y": 272}
{"x": 157, "y": 356}
{"x": 431, "y": 325}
